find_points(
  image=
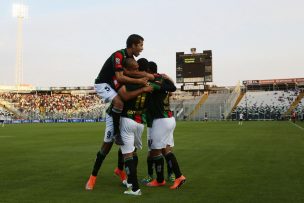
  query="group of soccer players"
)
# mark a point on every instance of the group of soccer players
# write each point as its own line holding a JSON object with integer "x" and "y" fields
{"x": 138, "y": 96}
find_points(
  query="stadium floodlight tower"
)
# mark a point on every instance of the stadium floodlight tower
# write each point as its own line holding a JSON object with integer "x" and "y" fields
{"x": 20, "y": 11}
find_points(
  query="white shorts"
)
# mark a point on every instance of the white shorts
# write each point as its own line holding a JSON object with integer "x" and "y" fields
{"x": 131, "y": 133}
{"x": 105, "y": 91}
{"x": 109, "y": 131}
{"x": 161, "y": 133}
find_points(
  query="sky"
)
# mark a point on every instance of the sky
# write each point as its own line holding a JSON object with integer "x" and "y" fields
{"x": 67, "y": 42}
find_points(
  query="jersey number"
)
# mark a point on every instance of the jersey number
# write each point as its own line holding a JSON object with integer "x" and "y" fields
{"x": 140, "y": 101}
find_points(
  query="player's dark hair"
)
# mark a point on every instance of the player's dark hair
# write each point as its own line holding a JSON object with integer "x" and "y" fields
{"x": 152, "y": 67}
{"x": 134, "y": 39}
{"x": 143, "y": 64}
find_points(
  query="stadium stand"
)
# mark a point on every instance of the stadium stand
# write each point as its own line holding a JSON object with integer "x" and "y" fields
{"x": 5, "y": 115}
{"x": 256, "y": 99}
{"x": 55, "y": 106}
{"x": 265, "y": 104}
{"x": 216, "y": 105}
{"x": 300, "y": 109}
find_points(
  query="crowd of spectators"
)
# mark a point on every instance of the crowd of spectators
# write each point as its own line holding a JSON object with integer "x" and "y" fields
{"x": 5, "y": 115}
{"x": 300, "y": 109}
{"x": 254, "y": 105}
{"x": 265, "y": 104}
{"x": 56, "y": 106}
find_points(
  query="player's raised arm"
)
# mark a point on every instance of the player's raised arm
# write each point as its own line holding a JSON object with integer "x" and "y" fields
{"x": 123, "y": 79}
{"x": 128, "y": 95}
{"x": 139, "y": 74}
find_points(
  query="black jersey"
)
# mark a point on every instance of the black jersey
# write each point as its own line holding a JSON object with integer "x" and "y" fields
{"x": 114, "y": 63}
{"x": 159, "y": 105}
{"x": 135, "y": 109}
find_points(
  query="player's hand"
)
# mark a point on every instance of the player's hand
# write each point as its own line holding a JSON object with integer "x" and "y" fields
{"x": 148, "y": 89}
{"x": 143, "y": 81}
{"x": 150, "y": 76}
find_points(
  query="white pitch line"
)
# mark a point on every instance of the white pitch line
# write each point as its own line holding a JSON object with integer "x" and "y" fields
{"x": 300, "y": 127}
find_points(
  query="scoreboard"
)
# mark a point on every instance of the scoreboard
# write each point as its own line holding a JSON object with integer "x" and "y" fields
{"x": 194, "y": 68}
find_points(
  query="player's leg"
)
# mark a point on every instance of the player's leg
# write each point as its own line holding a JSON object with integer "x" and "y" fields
{"x": 106, "y": 92}
{"x": 167, "y": 141}
{"x": 158, "y": 161}
{"x": 170, "y": 156}
{"x": 149, "y": 176}
{"x": 100, "y": 156}
{"x": 157, "y": 134}
{"x": 102, "y": 153}
{"x": 150, "y": 165}
{"x": 171, "y": 159}
{"x": 131, "y": 170}
{"x": 119, "y": 169}
{"x": 128, "y": 130}
{"x": 170, "y": 174}
{"x": 116, "y": 113}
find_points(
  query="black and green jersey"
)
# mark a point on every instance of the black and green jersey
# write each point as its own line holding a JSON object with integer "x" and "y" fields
{"x": 135, "y": 109}
{"x": 159, "y": 105}
{"x": 114, "y": 63}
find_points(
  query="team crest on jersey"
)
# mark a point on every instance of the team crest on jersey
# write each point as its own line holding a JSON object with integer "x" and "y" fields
{"x": 117, "y": 60}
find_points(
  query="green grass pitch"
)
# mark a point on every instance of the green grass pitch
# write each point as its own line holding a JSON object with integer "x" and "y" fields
{"x": 223, "y": 162}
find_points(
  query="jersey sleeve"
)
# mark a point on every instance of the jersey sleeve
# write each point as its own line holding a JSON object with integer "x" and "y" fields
{"x": 118, "y": 60}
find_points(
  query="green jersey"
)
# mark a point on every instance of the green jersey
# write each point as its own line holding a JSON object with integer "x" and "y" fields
{"x": 135, "y": 109}
{"x": 159, "y": 105}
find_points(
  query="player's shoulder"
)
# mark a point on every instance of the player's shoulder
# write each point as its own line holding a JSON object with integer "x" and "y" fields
{"x": 158, "y": 78}
{"x": 120, "y": 52}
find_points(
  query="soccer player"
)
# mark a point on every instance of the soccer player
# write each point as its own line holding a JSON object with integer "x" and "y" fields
{"x": 206, "y": 117}
{"x": 112, "y": 75}
{"x": 144, "y": 66}
{"x": 241, "y": 118}
{"x": 161, "y": 133}
{"x": 133, "y": 118}
{"x": 109, "y": 135}
{"x": 293, "y": 116}
{"x": 2, "y": 119}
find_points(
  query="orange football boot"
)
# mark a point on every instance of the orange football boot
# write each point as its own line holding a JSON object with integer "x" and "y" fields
{"x": 91, "y": 182}
{"x": 154, "y": 183}
{"x": 178, "y": 182}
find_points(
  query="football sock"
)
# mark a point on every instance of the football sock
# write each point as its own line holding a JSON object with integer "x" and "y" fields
{"x": 132, "y": 173}
{"x": 171, "y": 159}
{"x": 159, "y": 167}
{"x": 150, "y": 166}
{"x": 116, "y": 119}
{"x": 169, "y": 168}
{"x": 100, "y": 156}
{"x": 120, "y": 164}
{"x": 135, "y": 158}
